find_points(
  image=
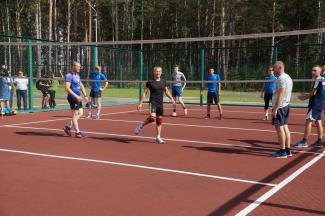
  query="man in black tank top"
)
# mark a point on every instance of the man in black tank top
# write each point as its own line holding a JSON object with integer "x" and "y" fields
{"x": 157, "y": 88}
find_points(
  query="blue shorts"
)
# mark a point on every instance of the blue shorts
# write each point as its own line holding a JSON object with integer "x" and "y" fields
{"x": 314, "y": 114}
{"x": 177, "y": 91}
{"x": 282, "y": 117}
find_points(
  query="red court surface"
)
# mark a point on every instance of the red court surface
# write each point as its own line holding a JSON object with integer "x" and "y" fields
{"x": 206, "y": 167}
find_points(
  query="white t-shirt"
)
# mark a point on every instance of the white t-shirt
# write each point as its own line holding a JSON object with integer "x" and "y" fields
{"x": 284, "y": 81}
{"x": 21, "y": 83}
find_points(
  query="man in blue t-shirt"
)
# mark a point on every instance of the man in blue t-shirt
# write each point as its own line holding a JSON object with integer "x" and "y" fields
{"x": 268, "y": 90}
{"x": 96, "y": 90}
{"x": 74, "y": 88}
{"x": 214, "y": 92}
{"x": 315, "y": 109}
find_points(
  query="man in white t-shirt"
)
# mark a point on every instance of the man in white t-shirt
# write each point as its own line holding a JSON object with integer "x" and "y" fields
{"x": 281, "y": 109}
{"x": 21, "y": 84}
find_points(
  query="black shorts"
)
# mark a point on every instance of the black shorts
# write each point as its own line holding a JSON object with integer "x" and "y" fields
{"x": 45, "y": 91}
{"x": 74, "y": 104}
{"x": 282, "y": 116}
{"x": 95, "y": 93}
{"x": 213, "y": 96}
{"x": 267, "y": 99}
{"x": 156, "y": 108}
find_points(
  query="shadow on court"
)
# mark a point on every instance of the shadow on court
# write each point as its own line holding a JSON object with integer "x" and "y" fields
{"x": 120, "y": 140}
{"x": 46, "y": 134}
{"x": 295, "y": 208}
{"x": 242, "y": 150}
{"x": 245, "y": 195}
{"x": 256, "y": 143}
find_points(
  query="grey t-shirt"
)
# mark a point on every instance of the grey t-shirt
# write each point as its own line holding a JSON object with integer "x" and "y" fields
{"x": 177, "y": 78}
{"x": 284, "y": 81}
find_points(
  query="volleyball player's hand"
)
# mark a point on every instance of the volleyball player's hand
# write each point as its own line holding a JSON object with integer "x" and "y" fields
{"x": 274, "y": 113}
{"x": 139, "y": 107}
{"x": 79, "y": 98}
{"x": 302, "y": 96}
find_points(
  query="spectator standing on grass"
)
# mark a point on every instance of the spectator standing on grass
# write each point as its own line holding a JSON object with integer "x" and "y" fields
{"x": 267, "y": 92}
{"x": 315, "y": 109}
{"x": 44, "y": 88}
{"x": 21, "y": 84}
{"x": 5, "y": 85}
{"x": 54, "y": 84}
{"x": 281, "y": 109}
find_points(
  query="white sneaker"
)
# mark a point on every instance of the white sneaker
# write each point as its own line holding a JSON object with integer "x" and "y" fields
{"x": 97, "y": 116}
{"x": 160, "y": 141}
{"x": 138, "y": 129}
{"x": 185, "y": 111}
{"x": 90, "y": 116}
{"x": 174, "y": 114}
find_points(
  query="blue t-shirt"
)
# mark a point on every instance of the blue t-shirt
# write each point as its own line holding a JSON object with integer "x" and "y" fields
{"x": 270, "y": 86}
{"x": 213, "y": 87}
{"x": 74, "y": 79}
{"x": 97, "y": 76}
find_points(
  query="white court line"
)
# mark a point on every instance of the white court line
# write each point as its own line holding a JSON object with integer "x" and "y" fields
{"x": 278, "y": 187}
{"x": 237, "y": 111}
{"x": 61, "y": 119}
{"x": 200, "y": 126}
{"x": 140, "y": 166}
{"x": 169, "y": 139}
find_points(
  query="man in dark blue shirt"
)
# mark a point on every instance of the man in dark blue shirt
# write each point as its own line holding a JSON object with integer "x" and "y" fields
{"x": 214, "y": 92}
{"x": 315, "y": 108}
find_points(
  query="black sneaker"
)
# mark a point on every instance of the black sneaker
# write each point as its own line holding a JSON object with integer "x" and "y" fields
{"x": 289, "y": 152}
{"x": 79, "y": 135}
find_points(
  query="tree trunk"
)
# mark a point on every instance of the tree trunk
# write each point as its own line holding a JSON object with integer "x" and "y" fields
{"x": 38, "y": 35}
{"x": 273, "y": 30}
{"x": 223, "y": 43}
{"x": 18, "y": 30}
{"x": 8, "y": 32}
{"x": 50, "y": 27}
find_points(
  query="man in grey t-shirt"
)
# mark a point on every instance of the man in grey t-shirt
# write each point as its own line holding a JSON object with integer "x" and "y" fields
{"x": 281, "y": 109}
{"x": 177, "y": 90}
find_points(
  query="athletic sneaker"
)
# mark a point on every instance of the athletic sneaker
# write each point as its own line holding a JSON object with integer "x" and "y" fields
{"x": 67, "y": 130}
{"x": 318, "y": 143}
{"x": 79, "y": 135}
{"x": 174, "y": 114}
{"x": 185, "y": 111}
{"x": 289, "y": 152}
{"x": 97, "y": 116}
{"x": 90, "y": 116}
{"x": 160, "y": 141}
{"x": 138, "y": 129}
{"x": 266, "y": 117}
{"x": 207, "y": 116}
{"x": 301, "y": 144}
{"x": 280, "y": 154}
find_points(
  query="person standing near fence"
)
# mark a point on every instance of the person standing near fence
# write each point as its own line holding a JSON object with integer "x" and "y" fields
{"x": 5, "y": 85}
{"x": 267, "y": 92}
{"x": 214, "y": 92}
{"x": 178, "y": 88}
{"x": 21, "y": 84}
{"x": 74, "y": 88}
{"x": 96, "y": 85}
{"x": 54, "y": 84}
{"x": 281, "y": 109}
